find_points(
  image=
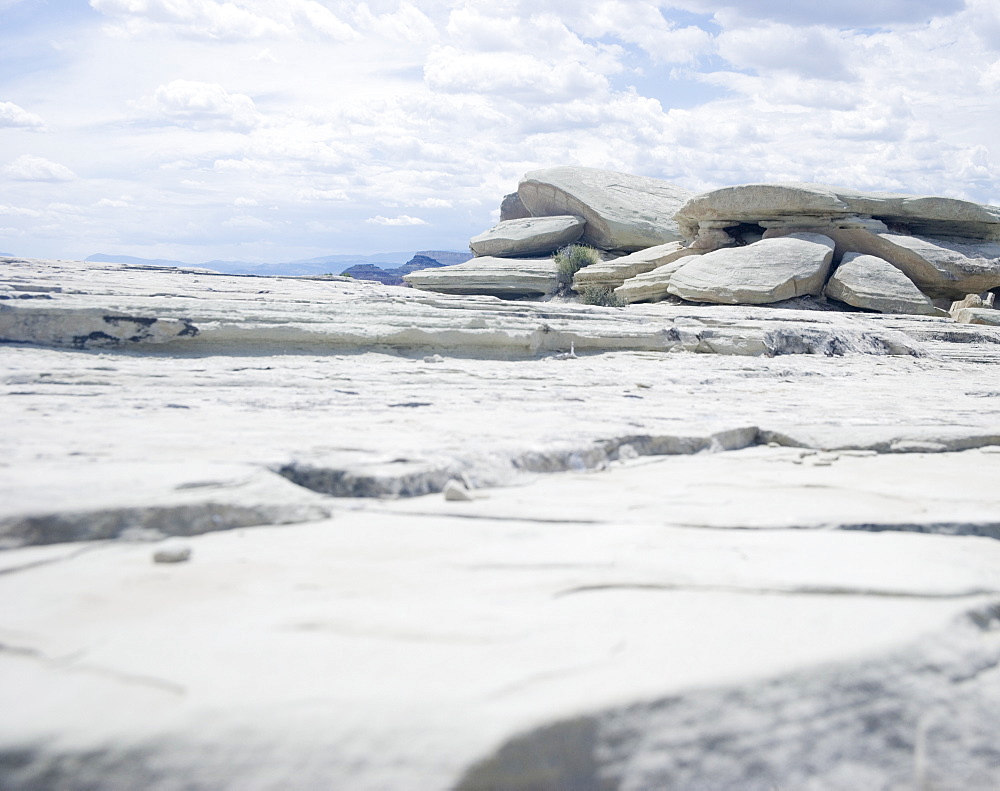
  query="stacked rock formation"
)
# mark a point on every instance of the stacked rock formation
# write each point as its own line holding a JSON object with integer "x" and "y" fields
{"x": 750, "y": 244}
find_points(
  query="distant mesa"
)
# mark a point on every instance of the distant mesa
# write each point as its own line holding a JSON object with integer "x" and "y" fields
{"x": 394, "y": 277}
{"x": 749, "y": 244}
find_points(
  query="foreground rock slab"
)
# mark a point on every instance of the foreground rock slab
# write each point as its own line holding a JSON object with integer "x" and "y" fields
{"x": 714, "y": 545}
{"x": 611, "y": 274}
{"x": 492, "y": 276}
{"x": 623, "y": 212}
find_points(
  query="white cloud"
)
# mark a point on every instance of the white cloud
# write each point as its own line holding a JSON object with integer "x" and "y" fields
{"x": 201, "y": 104}
{"x": 13, "y": 116}
{"x": 807, "y": 51}
{"x": 29, "y": 167}
{"x": 17, "y": 211}
{"x": 843, "y": 13}
{"x": 195, "y": 18}
{"x": 402, "y": 219}
{"x": 110, "y": 203}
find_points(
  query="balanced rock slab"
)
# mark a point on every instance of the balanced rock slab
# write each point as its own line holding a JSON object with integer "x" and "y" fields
{"x": 528, "y": 236}
{"x": 767, "y": 271}
{"x": 492, "y": 276}
{"x": 940, "y": 268}
{"x": 611, "y": 274}
{"x": 866, "y": 281}
{"x": 623, "y": 212}
{"x": 805, "y": 204}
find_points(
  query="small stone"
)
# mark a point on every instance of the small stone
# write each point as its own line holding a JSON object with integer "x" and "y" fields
{"x": 626, "y": 453}
{"x": 180, "y": 553}
{"x": 433, "y": 358}
{"x": 455, "y": 491}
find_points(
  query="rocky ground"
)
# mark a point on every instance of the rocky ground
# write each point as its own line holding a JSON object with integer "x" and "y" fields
{"x": 436, "y": 541}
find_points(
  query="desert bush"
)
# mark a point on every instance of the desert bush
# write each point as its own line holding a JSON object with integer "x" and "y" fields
{"x": 601, "y": 295}
{"x": 571, "y": 259}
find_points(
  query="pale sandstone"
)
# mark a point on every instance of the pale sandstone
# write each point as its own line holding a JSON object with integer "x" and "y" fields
{"x": 613, "y": 273}
{"x": 767, "y": 271}
{"x": 527, "y": 236}
{"x": 623, "y": 212}
{"x": 866, "y": 281}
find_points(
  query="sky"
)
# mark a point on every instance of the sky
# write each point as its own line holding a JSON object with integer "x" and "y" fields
{"x": 278, "y": 130}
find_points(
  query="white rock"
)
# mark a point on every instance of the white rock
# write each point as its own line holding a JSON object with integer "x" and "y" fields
{"x": 939, "y": 268}
{"x": 492, "y": 276}
{"x": 611, "y": 274}
{"x": 455, "y": 491}
{"x": 623, "y": 212}
{"x": 511, "y": 208}
{"x": 818, "y": 204}
{"x": 527, "y": 236}
{"x": 768, "y": 271}
{"x": 651, "y": 286}
{"x": 866, "y": 281}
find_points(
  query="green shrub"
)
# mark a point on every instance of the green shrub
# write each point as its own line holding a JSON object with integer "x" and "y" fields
{"x": 601, "y": 295}
{"x": 571, "y": 259}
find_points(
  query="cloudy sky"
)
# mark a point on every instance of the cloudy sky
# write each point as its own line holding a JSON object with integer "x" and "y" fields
{"x": 272, "y": 130}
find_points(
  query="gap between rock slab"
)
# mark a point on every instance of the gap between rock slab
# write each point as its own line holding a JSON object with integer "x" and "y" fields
{"x": 919, "y": 716}
{"x": 416, "y": 477}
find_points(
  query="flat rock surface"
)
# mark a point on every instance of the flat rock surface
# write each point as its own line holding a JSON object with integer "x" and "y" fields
{"x": 623, "y": 212}
{"x": 772, "y": 567}
{"x": 490, "y": 275}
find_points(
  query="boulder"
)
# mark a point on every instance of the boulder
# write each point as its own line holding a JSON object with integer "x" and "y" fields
{"x": 651, "y": 286}
{"x": 511, "y": 208}
{"x": 866, "y": 281}
{"x": 611, "y": 274}
{"x": 940, "y": 268}
{"x": 977, "y": 316}
{"x": 767, "y": 271}
{"x": 528, "y": 236}
{"x": 805, "y": 205}
{"x": 501, "y": 277}
{"x": 623, "y": 212}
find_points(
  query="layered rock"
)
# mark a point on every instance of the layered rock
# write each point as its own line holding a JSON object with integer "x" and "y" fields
{"x": 974, "y": 309}
{"x": 767, "y": 271}
{"x": 940, "y": 268}
{"x": 651, "y": 286}
{"x": 491, "y": 276}
{"x": 866, "y": 281}
{"x": 528, "y": 236}
{"x": 818, "y": 205}
{"x": 623, "y": 212}
{"x": 612, "y": 273}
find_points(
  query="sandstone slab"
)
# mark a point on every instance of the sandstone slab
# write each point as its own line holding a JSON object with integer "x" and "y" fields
{"x": 821, "y": 205}
{"x": 597, "y": 620}
{"x": 623, "y": 212}
{"x": 611, "y": 274}
{"x": 947, "y": 268}
{"x": 492, "y": 276}
{"x": 651, "y": 286}
{"x": 866, "y": 281}
{"x": 527, "y": 236}
{"x": 767, "y": 271}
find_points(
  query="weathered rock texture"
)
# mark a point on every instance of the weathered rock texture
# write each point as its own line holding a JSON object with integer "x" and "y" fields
{"x": 866, "y": 281}
{"x": 612, "y": 273}
{"x": 511, "y": 208}
{"x": 505, "y": 277}
{"x": 806, "y": 205}
{"x": 528, "y": 236}
{"x": 623, "y": 212}
{"x": 767, "y": 271}
{"x": 651, "y": 286}
{"x": 774, "y": 565}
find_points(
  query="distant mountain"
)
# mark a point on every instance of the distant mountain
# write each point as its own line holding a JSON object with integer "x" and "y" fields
{"x": 325, "y": 265}
{"x": 394, "y": 277}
